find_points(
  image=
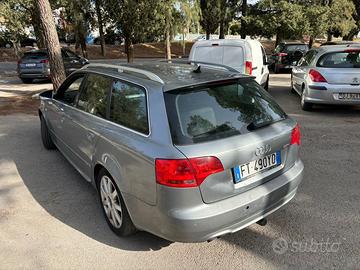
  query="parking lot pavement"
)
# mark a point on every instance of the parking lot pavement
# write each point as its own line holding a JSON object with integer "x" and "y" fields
{"x": 50, "y": 217}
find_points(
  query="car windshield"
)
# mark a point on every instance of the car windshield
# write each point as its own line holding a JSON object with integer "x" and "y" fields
{"x": 296, "y": 47}
{"x": 34, "y": 55}
{"x": 345, "y": 59}
{"x": 217, "y": 111}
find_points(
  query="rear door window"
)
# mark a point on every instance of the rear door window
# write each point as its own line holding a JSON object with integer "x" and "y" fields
{"x": 128, "y": 106}
{"x": 94, "y": 95}
{"x": 296, "y": 47}
{"x": 233, "y": 56}
{"x": 345, "y": 59}
{"x": 35, "y": 56}
{"x": 210, "y": 54}
{"x": 212, "y": 112}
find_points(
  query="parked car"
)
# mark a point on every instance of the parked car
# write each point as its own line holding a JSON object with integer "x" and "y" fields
{"x": 245, "y": 55}
{"x": 35, "y": 64}
{"x": 328, "y": 75}
{"x": 285, "y": 54}
{"x": 186, "y": 154}
{"x": 344, "y": 42}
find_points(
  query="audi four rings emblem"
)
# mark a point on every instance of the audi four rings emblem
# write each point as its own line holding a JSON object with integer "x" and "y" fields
{"x": 262, "y": 150}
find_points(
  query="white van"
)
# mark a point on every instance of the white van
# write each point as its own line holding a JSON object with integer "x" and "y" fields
{"x": 245, "y": 55}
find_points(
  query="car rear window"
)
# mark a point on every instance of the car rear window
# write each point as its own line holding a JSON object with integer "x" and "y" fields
{"x": 34, "y": 55}
{"x": 232, "y": 56}
{"x": 218, "y": 111}
{"x": 344, "y": 59}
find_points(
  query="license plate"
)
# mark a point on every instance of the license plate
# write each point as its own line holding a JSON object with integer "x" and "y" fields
{"x": 253, "y": 167}
{"x": 346, "y": 96}
{"x": 30, "y": 65}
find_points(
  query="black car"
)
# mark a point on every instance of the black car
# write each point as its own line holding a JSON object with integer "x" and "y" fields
{"x": 35, "y": 64}
{"x": 286, "y": 54}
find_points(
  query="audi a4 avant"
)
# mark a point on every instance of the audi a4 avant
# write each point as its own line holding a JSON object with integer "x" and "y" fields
{"x": 328, "y": 75}
{"x": 185, "y": 152}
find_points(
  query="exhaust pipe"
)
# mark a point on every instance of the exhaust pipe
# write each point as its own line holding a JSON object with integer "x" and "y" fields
{"x": 262, "y": 222}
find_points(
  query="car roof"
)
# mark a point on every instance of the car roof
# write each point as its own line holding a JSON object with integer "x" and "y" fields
{"x": 334, "y": 48}
{"x": 170, "y": 75}
{"x": 293, "y": 43}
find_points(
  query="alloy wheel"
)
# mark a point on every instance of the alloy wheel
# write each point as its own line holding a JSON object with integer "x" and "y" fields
{"x": 111, "y": 201}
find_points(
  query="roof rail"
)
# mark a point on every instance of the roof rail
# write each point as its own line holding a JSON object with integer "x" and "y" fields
{"x": 231, "y": 69}
{"x": 199, "y": 63}
{"x": 119, "y": 68}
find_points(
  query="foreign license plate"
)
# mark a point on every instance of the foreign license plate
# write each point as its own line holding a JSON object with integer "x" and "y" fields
{"x": 253, "y": 167}
{"x": 30, "y": 65}
{"x": 349, "y": 96}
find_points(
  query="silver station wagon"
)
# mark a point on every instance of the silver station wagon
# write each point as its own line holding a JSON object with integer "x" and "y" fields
{"x": 185, "y": 152}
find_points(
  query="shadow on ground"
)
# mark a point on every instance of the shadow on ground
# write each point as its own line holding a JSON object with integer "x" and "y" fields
{"x": 60, "y": 190}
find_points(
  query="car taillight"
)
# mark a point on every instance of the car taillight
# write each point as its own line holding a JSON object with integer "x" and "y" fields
{"x": 296, "y": 135}
{"x": 183, "y": 173}
{"x": 248, "y": 68}
{"x": 19, "y": 62}
{"x": 45, "y": 61}
{"x": 315, "y": 76}
{"x": 282, "y": 54}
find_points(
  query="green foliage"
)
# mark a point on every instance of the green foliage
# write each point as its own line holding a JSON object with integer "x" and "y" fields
{"x": 341, "y": 20}
{"x": 16, "y": 18}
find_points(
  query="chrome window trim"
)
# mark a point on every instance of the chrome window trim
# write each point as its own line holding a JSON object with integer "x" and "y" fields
{"x": 113, "y": 123}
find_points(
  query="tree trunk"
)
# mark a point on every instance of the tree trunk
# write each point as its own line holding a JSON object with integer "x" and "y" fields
{"x": 39, "y": 34}
{"x": 329, "y": 36}
{"x": 222, "y": 30}
{"x": 52, "y": 42}
{"x": 101, "y": 26}
{"x": 129, "y": 50}
{"x": 167, "y": 34}
{"x": 207, "y": 34}
{"x": 183, "y": 43}
{"x": 311, "y": 42}
{"x": 243, "y": 22}
{"x": 17, "y": 49}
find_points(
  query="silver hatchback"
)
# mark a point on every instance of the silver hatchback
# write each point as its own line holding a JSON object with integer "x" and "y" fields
{"x": 186, "y": 153}
{"x": 328, "y": 75}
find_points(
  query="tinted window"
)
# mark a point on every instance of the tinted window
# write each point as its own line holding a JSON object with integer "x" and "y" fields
{"x": 69, "y": 92}
{"x": 34, "y": 55}
{"x": 346, "y": 59}
{"x": 308, "y": 58}
{"x": 94, "y": 96}
{"x": 128, "y": 106}
{"x": 218, "y": 111}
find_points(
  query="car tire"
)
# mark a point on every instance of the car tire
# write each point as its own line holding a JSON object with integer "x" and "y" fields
{"x": 113, "y": 206}
{"x": 45, "y": 135}
{"x": 292, "y": 86}
{"x": 26, "y": 80}
{"x": 266, "y": 86}
{"x": 306, "y": 106}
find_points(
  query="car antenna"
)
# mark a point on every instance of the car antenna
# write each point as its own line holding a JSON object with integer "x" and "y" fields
{"x": 197, "y": 69}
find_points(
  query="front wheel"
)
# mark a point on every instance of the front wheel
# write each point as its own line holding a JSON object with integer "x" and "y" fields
{"x": 114, "y": 209}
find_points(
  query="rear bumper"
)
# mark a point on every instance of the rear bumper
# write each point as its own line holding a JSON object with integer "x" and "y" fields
{"x": 208, "y": 221}
{"x": 34, "y": 75}
{"x": 331, "y": 94}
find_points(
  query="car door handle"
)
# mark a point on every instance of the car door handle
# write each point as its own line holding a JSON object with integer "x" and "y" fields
{"x": 90, "y": 136}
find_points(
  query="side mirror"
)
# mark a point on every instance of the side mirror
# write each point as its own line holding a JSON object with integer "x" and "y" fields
{"x": 45, "y": 94}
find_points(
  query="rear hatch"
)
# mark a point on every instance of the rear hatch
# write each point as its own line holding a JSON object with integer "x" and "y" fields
{"x": 33, "y": 62}
{"x": 341, "y": 67}
{"x": 239, "y": 124}
{"x": 229, "y": 55}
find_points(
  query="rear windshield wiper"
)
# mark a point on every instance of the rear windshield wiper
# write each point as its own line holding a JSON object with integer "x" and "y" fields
{"x": 254, "y": 125}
